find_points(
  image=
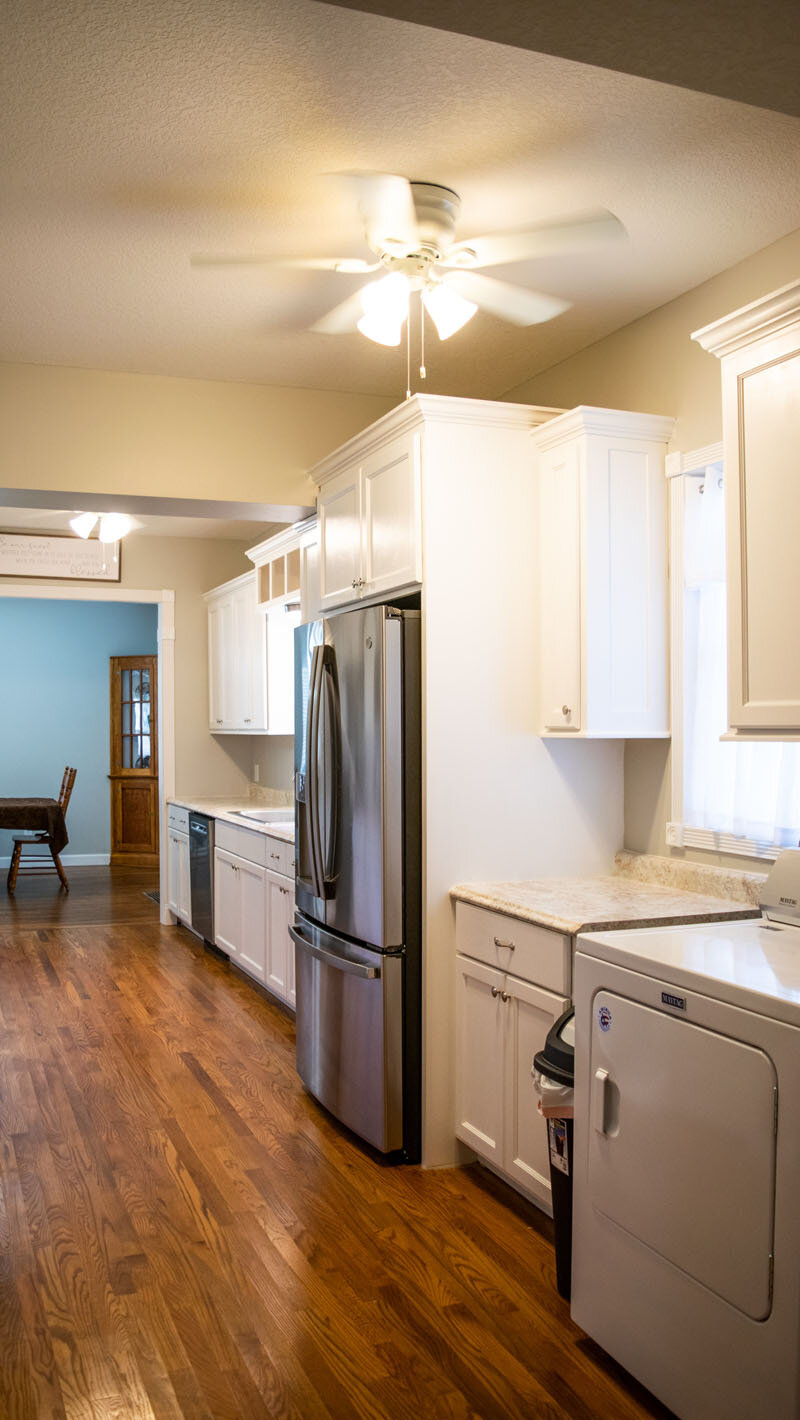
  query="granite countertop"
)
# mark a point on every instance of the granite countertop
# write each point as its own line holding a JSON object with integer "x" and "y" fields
{"x": 223, "y": 809}
{"x": 603, "y": 903}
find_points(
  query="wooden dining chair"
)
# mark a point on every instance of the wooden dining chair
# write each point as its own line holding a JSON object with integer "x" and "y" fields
{"x": 27, "y": 862}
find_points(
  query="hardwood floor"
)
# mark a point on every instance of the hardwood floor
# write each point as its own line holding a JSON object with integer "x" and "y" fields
{"x": 184, "y": 1233}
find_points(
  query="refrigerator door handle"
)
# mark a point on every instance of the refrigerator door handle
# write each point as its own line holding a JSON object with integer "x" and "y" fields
{"x": 353, "y": 968}
{"x": 312, "y": 760}
{"x": 328, "y": 853}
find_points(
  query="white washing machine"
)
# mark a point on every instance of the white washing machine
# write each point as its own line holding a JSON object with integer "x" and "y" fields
{"x": 686, "y": 1232}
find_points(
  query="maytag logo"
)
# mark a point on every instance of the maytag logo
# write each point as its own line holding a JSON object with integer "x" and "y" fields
{"x": 679, "y": 1002}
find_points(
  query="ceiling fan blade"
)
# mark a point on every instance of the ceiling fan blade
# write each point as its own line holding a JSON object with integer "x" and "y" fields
{"x": 386, "y": 208}
{"x": 511, "y": 303}
{"x": 545, "y": 239}
{"x": 351, "y": 266}
{"x": 343, "y": 318}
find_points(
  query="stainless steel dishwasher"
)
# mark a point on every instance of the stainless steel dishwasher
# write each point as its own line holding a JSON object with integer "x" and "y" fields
{"x": 201, "y": 874}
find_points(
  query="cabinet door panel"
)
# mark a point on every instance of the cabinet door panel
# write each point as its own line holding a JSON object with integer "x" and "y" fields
{"x": 531, "y": 1012}
{"x": 221, "y": 691}
{"x": 280, "y": 910}
{"x": 560, "y": 583}
{"x": 280, "y": 625}
{"x": 340, "y": 538}
{"x": 479, "y": 1058}
{"x": 252, "y": 943}
{"x": 391, "y": 514}
{"x": 174, "y": 874}
{"x": 184, "y": 879}
{"x": 227, "y": 903}
{"x": 762, "y": 493}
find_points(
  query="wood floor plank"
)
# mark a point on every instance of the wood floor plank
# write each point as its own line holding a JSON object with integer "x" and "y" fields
{"x": 186, "y": 1235}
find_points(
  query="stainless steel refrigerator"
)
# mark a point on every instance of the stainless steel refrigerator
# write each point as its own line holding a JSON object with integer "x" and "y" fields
{"x": 357, "y": 928}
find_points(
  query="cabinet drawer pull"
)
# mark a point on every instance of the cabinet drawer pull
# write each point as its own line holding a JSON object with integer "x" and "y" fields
{"x": 218, "y": 722}
{"x": 512, "y": 946}
{"x": 274, "y": 855}
{"x": 247, "y": 722}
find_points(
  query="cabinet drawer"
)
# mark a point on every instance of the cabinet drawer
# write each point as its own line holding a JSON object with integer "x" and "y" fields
{"x": 531, "y": 952}
{"x": 178, "y": 817}
{"x": 245, "y": 843}
{"x": 280, "y": 856}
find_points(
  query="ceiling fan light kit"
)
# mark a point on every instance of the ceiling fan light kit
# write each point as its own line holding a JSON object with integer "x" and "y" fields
{"x": 410, "y": 227}
{"x": 113, "y": 526}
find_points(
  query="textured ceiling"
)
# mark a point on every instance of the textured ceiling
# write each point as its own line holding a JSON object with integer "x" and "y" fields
{"x": 136, "y": 133}
{"x": 734, "y": 48}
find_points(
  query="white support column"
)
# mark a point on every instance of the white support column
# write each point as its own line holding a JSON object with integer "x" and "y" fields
{"x": 166, "y": 737}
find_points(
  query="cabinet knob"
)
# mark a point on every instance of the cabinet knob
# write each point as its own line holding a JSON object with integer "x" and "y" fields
{"x": 495, "y": 990}
{"x": 354, "y": 583}
{"x": 247, "y": 722}
{"x": 504, "y": 996}
{"x": 218, "y": 722}
{"x": 566, "y": 711}
{"x": 510, "y": 946}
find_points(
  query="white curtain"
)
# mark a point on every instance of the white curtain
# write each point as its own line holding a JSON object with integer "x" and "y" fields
{"x": 750, "y": 790}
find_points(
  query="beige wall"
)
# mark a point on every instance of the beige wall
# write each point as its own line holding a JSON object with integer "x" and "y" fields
{"x": 654, "y": 366}
{"x": 93, "y": 431}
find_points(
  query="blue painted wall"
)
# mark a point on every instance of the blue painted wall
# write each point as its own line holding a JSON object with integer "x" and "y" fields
{"x": 54, "y": 707}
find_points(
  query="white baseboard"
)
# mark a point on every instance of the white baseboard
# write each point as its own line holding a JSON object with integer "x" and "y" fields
{"x": 71, "y": 860}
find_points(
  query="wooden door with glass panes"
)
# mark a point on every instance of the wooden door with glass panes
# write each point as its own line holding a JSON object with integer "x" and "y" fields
{"x": 134, "y": 761}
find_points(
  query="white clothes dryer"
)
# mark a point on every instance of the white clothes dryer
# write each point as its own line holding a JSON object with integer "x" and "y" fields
{"x": 686, "y": 1232}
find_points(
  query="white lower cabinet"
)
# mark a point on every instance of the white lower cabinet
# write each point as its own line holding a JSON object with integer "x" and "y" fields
{"x": 239, "y": 926}
{"x": 501, "y": 1022}
{"x": 254, "y": 906}
{"x": 280, "y": 947}
{"x": 179, "y": 892}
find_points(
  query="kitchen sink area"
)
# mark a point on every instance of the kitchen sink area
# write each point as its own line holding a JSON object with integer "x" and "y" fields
{"x": 281, "y": 818}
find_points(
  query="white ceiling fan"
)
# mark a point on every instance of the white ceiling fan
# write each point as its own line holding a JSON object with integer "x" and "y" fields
{"x": 410, "y": 227}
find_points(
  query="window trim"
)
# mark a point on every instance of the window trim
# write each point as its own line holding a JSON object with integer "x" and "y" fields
{"x": 679, "y": 834}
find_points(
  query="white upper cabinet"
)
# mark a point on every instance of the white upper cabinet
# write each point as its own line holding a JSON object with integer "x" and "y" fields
{"x": 340, "y": 537}
{"x": 237, "y": 659}
{"x": 369, "y": 524}
{"x": 759, "y": 347}
{"x": 372, "y": 490}
{"x": 601, "y": 549}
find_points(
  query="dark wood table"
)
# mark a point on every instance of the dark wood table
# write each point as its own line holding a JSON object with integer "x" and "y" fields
{"x": 36, "y": 816}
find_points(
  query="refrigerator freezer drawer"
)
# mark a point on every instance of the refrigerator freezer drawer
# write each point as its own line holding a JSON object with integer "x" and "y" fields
{"x": 350, "y": 1033}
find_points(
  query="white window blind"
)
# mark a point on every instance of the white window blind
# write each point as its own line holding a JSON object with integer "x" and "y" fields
{"x": 750, "y": 791}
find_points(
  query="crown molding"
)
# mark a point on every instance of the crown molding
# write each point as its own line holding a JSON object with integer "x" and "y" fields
{"x": 422, "y": 409}
{"x": 285, "y": 541}
{"x": 241, "y": 581}
{"x": 763, "y": 317}
{"x": 614, "y": 423}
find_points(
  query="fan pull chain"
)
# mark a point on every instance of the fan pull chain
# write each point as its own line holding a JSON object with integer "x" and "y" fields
{"x": 423, "y": 374}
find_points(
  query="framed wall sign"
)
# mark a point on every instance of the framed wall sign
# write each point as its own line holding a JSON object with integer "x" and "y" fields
{"x": 75, "y": 558}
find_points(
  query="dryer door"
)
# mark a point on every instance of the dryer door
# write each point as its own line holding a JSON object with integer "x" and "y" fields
{"x": 682, "y": 1146}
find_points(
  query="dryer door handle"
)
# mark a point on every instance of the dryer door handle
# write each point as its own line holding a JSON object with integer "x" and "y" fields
{"x": 599, "y": 1082}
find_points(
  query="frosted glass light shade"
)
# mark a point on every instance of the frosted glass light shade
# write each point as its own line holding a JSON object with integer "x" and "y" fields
{"x": 83, "y": 524}
{"x": 448, "y": 311}
{"x": 385, "y": 304}
{"x": 113, "y": 526}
